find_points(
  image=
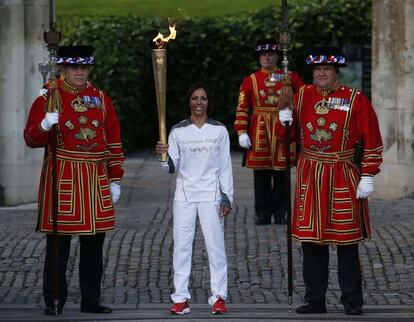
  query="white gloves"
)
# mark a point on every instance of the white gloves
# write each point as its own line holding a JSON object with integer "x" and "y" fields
{"x": 115, "y": 191}
{"x": 286, "y": 115}
{"x": 164, "y": 166}
{"x": 51, "y": 118}
{"x": 244, "y": 141}
{"x": 365, "y": 187}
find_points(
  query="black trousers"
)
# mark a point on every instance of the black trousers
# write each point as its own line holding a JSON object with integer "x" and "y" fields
{"x": 315, "y": 273}
{"x": 90, "y": 268}
{"x": 270, "y": 193}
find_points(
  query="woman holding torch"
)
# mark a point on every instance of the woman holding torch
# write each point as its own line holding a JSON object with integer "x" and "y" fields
{"x": 199, "y": 151}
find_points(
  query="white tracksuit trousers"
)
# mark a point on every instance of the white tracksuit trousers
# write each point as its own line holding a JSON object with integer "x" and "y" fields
{"x": 185, "y": 215}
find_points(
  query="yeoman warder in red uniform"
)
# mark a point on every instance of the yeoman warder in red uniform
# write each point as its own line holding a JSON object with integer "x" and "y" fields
{"x": 256, "y": 125}
{"x": 89, "y": 171}
{"x": 341, "y": 151}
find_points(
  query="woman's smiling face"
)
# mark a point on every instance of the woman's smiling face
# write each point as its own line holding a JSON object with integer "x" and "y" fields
{"x": 199, "y": 102}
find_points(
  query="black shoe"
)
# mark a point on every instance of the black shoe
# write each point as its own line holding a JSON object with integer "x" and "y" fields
{"x": 95, "y": 309}
{"x": 353, "y": 310}
{"x": 262, "y": 221}
{"x": 262, "y": 217}
{"x": 311, "y": 308}
{"x": 50, "y": 310}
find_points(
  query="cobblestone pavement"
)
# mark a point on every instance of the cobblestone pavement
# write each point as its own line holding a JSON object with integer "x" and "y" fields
{"x": 138, "y": 254}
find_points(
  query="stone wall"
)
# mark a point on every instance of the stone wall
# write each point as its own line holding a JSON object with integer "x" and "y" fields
{"x": 21, "y": 48}
{"x": 393, "y": 94}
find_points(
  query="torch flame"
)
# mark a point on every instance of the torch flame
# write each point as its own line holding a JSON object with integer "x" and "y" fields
{"x": 160, "y": 40}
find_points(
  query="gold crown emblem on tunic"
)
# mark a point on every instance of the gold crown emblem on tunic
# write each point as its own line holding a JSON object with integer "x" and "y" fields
{"x": 321, "y": 108}
{"x": 78, "y": 105}
{"x": 269, "y": 82}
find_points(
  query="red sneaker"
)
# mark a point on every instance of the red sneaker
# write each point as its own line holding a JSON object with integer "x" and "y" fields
{"x": 180, "y": 308}
{"x": 219, "y": 307}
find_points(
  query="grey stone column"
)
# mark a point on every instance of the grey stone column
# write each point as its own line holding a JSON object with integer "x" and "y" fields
{"x": 393, "y": 94}
{"x": 21, "y": 48}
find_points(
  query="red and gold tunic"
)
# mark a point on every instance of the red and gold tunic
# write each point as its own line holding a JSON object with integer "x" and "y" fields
{"x": 89, "y": 157}
{"x": 257, "y": 115}
{"x": 330, "y": 124}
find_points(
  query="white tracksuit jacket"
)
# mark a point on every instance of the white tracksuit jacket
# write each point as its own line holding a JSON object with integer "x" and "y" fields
{"x": 201, "y": 158}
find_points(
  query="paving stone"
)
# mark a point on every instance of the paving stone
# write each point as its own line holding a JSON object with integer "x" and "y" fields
{"x": 138, "y": 253}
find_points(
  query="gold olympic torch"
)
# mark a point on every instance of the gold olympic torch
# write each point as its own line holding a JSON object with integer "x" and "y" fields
{"x": 159, "y": 65}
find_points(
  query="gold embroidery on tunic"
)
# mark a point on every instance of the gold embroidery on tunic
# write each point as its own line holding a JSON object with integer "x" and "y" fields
{"x": 85, "y": 134}
{"x": 95, "y": 123}
{"x": 320, "y": 148}
{"x": 321, "y": 136}
{"x": 69, "y": 125}
{"x": 321, "y": 121}
{"x": 346, "y": 135}
{"x": 83, "y": 119}
{"x": 241, "y": 98}
{"x": 309, "y": 126}
{"x": 333, "y": 126}
{"x": 71, "y": 89}
{"x": 82, "y": 147}
{"x": 272, "y": 99}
